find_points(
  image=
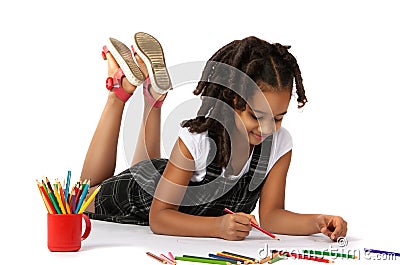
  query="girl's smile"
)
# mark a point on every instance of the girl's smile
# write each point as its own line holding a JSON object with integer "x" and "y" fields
{"x": 258, "y": 136}
{"x": 263, "y": 115}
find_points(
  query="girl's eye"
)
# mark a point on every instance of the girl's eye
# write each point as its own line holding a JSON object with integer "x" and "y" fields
{"x": 255, "y": 117}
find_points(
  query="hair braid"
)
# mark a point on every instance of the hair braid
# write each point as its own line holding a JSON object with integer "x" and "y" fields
{"x": 292, "y": 63}
{"x": 262, "y": 62}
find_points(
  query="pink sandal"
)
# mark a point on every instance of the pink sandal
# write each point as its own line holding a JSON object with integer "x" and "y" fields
{"x": 146, "y": 92}
{"x": 152, "y": 54}
{"x": 128, "y": 68}
{"x": 115, "y": 83}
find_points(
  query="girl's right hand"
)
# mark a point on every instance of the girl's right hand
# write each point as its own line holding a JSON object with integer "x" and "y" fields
{"x": 235, "y": 226}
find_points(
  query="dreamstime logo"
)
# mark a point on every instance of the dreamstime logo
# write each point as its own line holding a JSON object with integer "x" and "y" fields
{"x": 342, "y": 242}
{"x": 332, "y": 252}
{"x": 191, "y": 73}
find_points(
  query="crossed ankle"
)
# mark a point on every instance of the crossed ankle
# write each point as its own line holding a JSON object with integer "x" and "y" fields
{"x": 154, "y": 99}
{"x": 155, "y": 95}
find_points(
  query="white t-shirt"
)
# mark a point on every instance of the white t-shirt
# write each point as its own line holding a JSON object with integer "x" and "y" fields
{"x": 198, "y": 145}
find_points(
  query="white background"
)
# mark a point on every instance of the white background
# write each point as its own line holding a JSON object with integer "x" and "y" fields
{"x": 345, "y": 158}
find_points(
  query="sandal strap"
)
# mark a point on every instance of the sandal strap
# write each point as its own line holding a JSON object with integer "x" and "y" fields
{"x": 114, "y": 84}
{"x": 104, "y": 52}
{"x": 149, "y": 98}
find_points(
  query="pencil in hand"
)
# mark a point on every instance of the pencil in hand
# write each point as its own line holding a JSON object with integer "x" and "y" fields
{"x": 256, "y": 226}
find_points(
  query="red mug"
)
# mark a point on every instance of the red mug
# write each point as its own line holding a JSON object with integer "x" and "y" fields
{"x": 64, "y": 231}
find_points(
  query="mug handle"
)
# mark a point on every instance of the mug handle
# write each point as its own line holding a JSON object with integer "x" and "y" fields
{"x": 88, "y": 227}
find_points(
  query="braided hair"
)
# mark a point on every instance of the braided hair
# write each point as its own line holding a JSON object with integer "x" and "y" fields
{"x": 263, "y": 62}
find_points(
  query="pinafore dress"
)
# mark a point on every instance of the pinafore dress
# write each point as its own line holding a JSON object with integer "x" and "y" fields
{"x": 127, "y": 197}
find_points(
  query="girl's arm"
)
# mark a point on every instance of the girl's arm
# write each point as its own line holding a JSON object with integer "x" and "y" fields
{"x": 276, "y": 219}
{"x": 164, "y": 215}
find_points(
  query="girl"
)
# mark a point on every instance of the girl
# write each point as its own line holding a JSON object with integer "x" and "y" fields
{"x": 232, "y": 155}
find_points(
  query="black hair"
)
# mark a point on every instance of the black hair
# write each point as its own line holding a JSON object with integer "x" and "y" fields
{"x": 263, "y": 62}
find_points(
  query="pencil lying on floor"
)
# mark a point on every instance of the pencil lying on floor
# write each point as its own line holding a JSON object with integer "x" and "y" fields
{"x": 256, "y": 226}
{"x": 240, "y": 256}
{"x": 154, "y": 256}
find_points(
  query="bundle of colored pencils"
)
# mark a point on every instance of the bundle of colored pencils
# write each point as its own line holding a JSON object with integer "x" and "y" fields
{"x": 61, "y": 199}
{"x": 223, "y": 257}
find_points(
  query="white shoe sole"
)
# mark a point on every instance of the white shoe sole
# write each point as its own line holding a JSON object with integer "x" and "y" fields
{"x": 151, "y": 52}
{"x": 123, "y": 55}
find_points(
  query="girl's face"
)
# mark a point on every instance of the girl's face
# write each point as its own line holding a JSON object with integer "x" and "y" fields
{"x": 256, "y": 121}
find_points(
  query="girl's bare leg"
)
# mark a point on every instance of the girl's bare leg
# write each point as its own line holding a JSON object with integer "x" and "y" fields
{"x": 101, "y": 156}
{"x": 148, "y": 143}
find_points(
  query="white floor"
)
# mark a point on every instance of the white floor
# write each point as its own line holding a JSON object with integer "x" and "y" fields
{"x": 111, "y": 243}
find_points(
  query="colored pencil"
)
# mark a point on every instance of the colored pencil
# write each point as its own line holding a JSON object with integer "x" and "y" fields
{"x": 54, "y": 201}
{"x": 170, "y": 261}
{"x": 328, "y": 253}
{"x": 234, "y": 257}
{"x": 73, "y": 201}
{"x": 49, "y": 185}
{"x": 202, "y": 260}
{"x": 81, "y": 187}
{"x": 60, "y": 192}
{"x": 78, "y": 190}
{"x": 255, "y": 226}
{"x": 156, "y": 257}
{"x": 171, "y": 256}
{"x": 87, "y": 202}
{"x": 389, "y": 253}
{"x": 240, "y": 256}
{"x": 83, "y": 195}
{"x": 69, "y": 193}
{"x": 224, "y": 258}
{"x": 45, "y": 198}
{"x": 44, "y": 185}
{"x": 66, "y": 191}
{"x": 277, "y": 258}
{"x": 45, "y": 188}
{"x": 60, "y": 204}
{"x": 68, "y": 208}
{"x": 266, "y": 259}
{"x": 65, "y": 204}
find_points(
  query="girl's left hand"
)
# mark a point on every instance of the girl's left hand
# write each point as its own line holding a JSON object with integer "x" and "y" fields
{"x": 332, "y": 226}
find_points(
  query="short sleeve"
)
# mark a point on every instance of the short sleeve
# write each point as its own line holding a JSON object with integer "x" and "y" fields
{"x": 282, "y": 144}
{"x": 190, "y": 142}
{"x": 199, "y": 147}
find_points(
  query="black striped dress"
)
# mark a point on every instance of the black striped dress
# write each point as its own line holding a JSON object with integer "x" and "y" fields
{"x": 127, "y": 197}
